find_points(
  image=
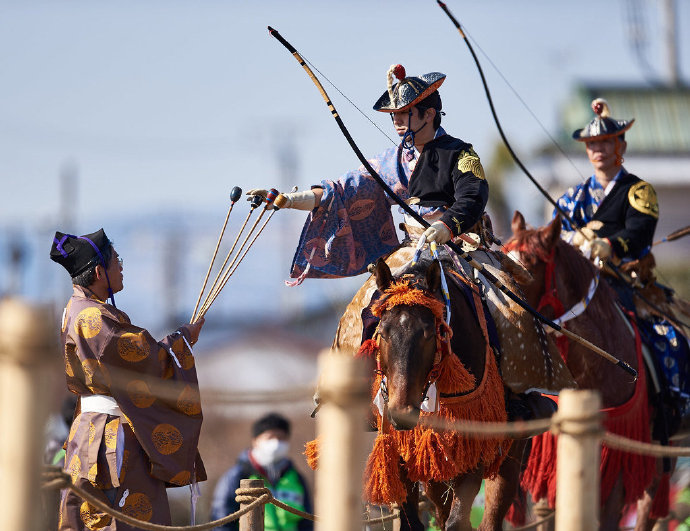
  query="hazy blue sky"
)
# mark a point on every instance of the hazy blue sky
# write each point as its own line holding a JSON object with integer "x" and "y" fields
{"x": 165, "y": 105}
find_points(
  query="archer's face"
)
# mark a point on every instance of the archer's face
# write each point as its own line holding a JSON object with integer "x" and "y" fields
{"x": 409, "y": 119}
{"x": 605, "y": 154}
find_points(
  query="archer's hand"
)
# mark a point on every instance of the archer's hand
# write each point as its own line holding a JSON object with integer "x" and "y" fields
{"x": 256, "y": 191}
{"x": 305, "y": 200}
{"x": 585, "y": 234}
{"x": 601, "y": 248}
{"x": 438, "y": 232}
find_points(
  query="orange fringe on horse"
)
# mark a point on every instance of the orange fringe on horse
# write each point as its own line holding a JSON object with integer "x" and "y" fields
{"x": 428, "y": 454}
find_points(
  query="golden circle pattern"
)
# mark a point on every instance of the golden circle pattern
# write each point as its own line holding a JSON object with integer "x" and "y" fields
{"x": 74, "y": 468}
{"x": 138, "y": 505}
{"x": 92, "y": 518}
{"x": 93, "y": 472}
{"x": 140, "y": 394}
{"x": 90, "y": 368}
{"x": 132, "y": 347}
{"x": 166, "y": 438}
{"x": 70, "y": 359}
{"x": 181, "y": 478}
{"x": 110, "y": 434}
{"x": 189, "y": 401}
{"x": 89, "y": 322}
{"x": 73, "y": 428}
{"x": 92, "y": 432}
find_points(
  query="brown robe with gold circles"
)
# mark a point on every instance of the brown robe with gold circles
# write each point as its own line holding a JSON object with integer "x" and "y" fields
{"x": 156, "y": 388}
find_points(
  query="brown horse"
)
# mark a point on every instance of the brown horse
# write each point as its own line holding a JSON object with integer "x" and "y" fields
{"x": 562, "y": 278}
{"x": 416, "y": 351}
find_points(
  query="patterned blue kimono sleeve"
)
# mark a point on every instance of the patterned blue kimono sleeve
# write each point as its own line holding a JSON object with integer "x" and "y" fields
{"x": 352, "y": 226}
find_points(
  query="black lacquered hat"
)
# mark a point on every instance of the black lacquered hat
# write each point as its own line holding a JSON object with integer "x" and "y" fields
{"x": 408, "y": 91}
{"x": 77, "y": 253}
{"x": 602, "y": 126}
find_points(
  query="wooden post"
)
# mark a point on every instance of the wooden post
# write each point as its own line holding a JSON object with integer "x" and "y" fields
{"x": 254, "y": 519}
{"x": 342, "y": 449}
{"x": 579, "y": 449}
{"x": 28, "y": 341}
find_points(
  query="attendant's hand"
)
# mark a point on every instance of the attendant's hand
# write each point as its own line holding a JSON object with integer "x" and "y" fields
{"x": 193, "y": 329}
{"x": 438, "y": 232}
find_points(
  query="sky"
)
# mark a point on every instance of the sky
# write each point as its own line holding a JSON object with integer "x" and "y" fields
{"x": 154, "y": 110}
{"x": 168, "y": 104}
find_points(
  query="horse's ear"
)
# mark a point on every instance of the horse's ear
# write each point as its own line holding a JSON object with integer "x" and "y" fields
{"x": 383, "y": 275}
{"x": 433, "y": 277}
{"x": 518, "y": 223}
{"x": 552, "y": 232}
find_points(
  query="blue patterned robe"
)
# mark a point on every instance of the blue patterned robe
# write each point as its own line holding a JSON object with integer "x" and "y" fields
{"x": 353, "y": 225}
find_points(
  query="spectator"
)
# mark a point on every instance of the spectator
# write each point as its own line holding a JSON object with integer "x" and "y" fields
{"x": 266, "y": 459}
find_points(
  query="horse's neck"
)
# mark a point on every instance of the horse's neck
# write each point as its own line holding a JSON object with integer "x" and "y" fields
{"x": 468, "y": 340}
{"x": 603, "y": 324}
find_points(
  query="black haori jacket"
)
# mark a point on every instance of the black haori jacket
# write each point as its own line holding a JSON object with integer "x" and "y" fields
{"x": 629, "y": 214}
{"x": 449, "y": 174}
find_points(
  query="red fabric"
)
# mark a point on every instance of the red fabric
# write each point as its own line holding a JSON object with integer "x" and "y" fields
{"x": 630, "y": 420}
{"x": 661, "y": 502}
{"x": 550, "y": 298}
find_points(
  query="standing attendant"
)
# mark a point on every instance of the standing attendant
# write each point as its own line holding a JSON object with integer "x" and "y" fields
{"x": 136, "y": 426}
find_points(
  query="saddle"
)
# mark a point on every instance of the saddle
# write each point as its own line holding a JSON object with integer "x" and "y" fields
{"x": 530, "y": 360}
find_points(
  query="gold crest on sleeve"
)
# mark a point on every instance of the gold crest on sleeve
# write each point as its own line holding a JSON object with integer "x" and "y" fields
{"x": 469, "y": 162}
{"x": 642, "y": 197}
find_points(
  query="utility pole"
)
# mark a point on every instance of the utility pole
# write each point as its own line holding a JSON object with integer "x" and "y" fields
{"x": 671, "y": 42}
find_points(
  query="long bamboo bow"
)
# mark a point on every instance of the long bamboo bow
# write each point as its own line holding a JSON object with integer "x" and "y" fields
{"x": 462, "y": 254}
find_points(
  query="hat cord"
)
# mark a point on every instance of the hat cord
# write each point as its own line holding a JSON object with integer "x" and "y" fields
{"x": 105, "y": 268}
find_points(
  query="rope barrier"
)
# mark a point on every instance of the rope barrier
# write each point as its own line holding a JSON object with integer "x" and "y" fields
{"x": 630, "y": 445}
{"x": 55, "y": 478}
{"x": 247, "y": 495}
{"x": 535, "y": 523}
{"x": 64, "y": 481}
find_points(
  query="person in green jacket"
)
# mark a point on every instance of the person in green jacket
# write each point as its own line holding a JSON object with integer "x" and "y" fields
{"x": 266, "y": 459}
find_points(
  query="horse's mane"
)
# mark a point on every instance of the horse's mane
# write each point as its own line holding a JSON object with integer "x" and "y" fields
{"x": 533, "y": 247}
{"x": 572, "y": 264}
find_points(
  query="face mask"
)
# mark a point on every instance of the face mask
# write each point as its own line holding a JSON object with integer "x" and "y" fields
{"x": 269, "y": 451}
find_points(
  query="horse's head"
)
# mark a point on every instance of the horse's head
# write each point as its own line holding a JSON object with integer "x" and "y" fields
{"x": 410, "y": 312}
{"x": 555, "y": 265}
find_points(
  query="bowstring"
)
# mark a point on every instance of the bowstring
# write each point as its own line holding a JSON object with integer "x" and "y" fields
{"x": 312, "y": 65}
{"x": 524, "y": 103}
{"x": 502, "y": 246}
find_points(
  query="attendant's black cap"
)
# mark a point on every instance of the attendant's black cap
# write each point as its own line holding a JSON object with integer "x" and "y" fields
{"x": 272, "y": 421}
{"x": 77, "y": 253}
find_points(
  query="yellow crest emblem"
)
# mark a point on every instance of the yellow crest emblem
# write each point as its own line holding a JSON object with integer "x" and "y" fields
{"x": 642, "y": 197}
{"x": 469, "y": 162}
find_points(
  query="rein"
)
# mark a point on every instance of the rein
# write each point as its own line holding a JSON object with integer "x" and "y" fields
{"x": 550, "y": 296}
{"x": 403, "y": 293}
